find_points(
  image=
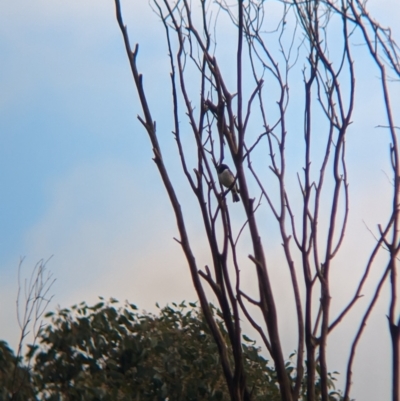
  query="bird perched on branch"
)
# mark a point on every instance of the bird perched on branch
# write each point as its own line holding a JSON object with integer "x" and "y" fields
{"x": 227, "y": 179}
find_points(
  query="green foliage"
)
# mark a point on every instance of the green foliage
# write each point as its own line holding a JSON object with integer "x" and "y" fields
{"x": 104, "y": 352}
{"x": 112, "y": 352}
{"x": 15, "y": 380}
{"x": 334, "y": 395}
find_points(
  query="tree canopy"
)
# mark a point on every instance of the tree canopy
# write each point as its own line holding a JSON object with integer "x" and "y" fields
{"x": 113, "y": 352}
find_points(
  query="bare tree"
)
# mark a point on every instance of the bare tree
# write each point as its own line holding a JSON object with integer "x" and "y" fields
{"x": 30, "y": 309}
{"x": 247, "y": 120}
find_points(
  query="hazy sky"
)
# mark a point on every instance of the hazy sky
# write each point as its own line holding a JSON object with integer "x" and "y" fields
{"x": 78, "y": 182}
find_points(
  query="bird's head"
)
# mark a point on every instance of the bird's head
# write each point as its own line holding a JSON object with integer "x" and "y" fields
{"x": 221, "y": 168}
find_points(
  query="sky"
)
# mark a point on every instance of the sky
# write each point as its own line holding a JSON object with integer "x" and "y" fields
{"x": 79, "y": 186}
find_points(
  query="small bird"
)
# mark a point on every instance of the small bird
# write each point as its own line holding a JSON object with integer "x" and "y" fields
{"x": 227, "y": 179}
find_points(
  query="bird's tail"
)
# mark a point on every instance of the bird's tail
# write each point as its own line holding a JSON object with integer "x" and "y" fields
{"x": 235, "y": 196}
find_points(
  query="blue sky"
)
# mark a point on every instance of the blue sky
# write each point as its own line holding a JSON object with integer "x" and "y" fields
{"x": 75, "y": 163}
{"x": 77, "y": 177}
